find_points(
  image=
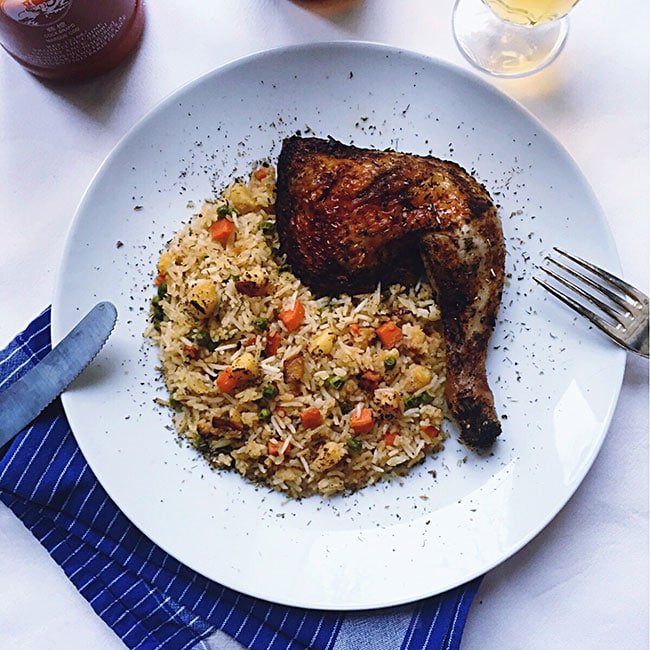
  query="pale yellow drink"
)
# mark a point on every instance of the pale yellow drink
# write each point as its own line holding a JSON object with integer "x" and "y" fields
{"x": 530, "y": 12}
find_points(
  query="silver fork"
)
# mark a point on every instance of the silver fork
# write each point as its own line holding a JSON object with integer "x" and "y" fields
{"x": 617, "y": 308}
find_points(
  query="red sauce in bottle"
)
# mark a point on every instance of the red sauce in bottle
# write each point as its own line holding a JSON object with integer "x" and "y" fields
{"x": 70, "y": 40}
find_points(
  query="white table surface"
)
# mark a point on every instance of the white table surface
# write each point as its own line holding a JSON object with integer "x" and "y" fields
{"x": 581, "y": 583}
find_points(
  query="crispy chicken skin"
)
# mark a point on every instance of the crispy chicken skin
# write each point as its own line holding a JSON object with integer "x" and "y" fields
{"x": 350, "y": 217}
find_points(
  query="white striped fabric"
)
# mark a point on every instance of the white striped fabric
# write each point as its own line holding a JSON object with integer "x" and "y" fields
{"x": 149, "y": 599}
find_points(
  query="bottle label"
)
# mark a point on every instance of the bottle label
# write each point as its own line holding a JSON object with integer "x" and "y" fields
{"x": 35, "y": 13}
{"x": 66, "y": 43}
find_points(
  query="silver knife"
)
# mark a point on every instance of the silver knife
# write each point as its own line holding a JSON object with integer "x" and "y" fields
{"x": 42, "y": 384}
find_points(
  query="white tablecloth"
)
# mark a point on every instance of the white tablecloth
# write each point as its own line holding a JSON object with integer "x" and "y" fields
{"x": 581, "y": 583}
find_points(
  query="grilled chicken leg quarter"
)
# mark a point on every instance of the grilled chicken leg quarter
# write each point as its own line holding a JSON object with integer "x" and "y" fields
{"x": 349, "y": 218}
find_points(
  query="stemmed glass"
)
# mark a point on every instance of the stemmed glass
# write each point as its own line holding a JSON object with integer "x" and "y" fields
{"x": 511, "y": 38}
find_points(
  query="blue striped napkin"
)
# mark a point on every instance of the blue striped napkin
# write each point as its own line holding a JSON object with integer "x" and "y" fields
{"x": 148, "y": 598}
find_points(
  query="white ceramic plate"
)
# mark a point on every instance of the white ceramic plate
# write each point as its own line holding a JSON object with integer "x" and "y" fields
{"x": 555, "y": 381}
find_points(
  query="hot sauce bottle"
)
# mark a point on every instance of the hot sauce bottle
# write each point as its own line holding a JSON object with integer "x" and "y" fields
{"x": 70, "y": 40}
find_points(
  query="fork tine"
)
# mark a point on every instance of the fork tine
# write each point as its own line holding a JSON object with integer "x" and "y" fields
{"x": 627, "y": 289}
{"x": 599, "y": 322}
{"x": 594, "y": 300}
{"x": 611, "y": 298}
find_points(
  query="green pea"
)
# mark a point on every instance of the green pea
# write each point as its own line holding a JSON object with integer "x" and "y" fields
{"x": 269, "y": 392}
{"x": 390, "y": 363}
{"x": 346, "y": 406}
{"x": 264, "y": 415}
{"x": 354, "y": 445}
{"x": 261, "y": 324}
{"x": 157, "y": 311}
{"x": 225, "y": 211}
{"x": 202, "y": 339}
{"x": 335, "y": 381}
{"x": 411, "y": 402}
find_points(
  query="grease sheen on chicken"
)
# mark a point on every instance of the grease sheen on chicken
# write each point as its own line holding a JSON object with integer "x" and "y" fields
{"x": 349, "y": 218}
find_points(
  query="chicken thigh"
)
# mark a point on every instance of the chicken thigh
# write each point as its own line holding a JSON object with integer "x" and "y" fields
{"x": 349, "y": 218}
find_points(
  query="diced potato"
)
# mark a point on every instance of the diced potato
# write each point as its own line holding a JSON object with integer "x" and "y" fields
{"x": 241, "y": 198}
{"x": 165, "y": 261}
{"x": 417, "y": 377}
{"x": 322, "y": 343}
{"x": 203, "y": 297}
{"x": 388, "y": 403}
{"x": 414, "y": 337}
{"x": 328, "y": 456}
{"x": 247, "y": 362}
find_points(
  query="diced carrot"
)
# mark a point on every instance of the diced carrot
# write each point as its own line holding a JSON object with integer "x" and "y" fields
{"x": 274, "y": 447}
{"x": 362, "y": 420}
{"x": 293, "y": 317}
{"x": 272, "y": 344}
{"x": 389, "y": 438}
{"x": 230, "y": 379}
{"x": 354, "y": 328}
{"x": 227, "y": 380}
{"x": 221, "y": 229}
{"x": 390, "y": 334}
{"x": 160, "y": 278}
{"x": 261, "y": 173}
{"x": 369, "y": 381}
{"x": 430, "y": 431}
{"x": 311, "y": 418}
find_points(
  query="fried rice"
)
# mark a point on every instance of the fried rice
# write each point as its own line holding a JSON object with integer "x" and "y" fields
{"x": 297, "y": 392}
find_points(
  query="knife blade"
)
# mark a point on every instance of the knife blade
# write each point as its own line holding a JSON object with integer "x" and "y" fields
{"x": 42, "y": 384}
